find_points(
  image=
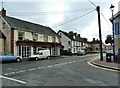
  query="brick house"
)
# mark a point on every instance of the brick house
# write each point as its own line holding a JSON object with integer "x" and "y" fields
{"x": 24, "y": 38}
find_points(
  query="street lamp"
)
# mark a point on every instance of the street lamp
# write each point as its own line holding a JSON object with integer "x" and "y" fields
{"x": 112, "y": 9}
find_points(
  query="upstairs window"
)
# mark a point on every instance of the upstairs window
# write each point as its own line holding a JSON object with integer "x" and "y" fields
{"x": 20, "y": 35}
{"x": 35, "y": 37}
{"x": 69, "y": 42}
{"x": 53, "y": 39}
{"x": 117, "y": 28}
{"x": 45, "y": 38}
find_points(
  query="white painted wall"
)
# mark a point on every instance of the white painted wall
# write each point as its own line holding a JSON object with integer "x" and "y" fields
{"x": 64, "y": 41}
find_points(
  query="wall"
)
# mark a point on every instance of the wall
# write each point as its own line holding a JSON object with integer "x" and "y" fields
{"x": 1, "y": 45}
{"x": 7, "y": 32}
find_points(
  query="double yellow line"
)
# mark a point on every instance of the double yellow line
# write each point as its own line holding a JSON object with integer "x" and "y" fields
{"x": 91, "y": 63}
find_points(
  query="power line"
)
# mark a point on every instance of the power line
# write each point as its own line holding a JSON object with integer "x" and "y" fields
{"x": 101, "y": 13}
{"x": 106, "y": 20}
{"x": 75, "y": 18}
{"x": 49, "y": 12}
{"x": 92, "y": 3}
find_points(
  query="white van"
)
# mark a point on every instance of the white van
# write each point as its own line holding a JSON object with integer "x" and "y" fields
{"x": 41, "y": 54}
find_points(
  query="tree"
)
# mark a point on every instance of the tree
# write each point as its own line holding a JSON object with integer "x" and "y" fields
{"x": 109, "y": 39}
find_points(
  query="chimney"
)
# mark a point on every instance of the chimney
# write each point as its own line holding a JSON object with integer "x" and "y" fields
{"x": 71, "y": 33}
{"x": 3, "y": 12}
{"x": 93, "y": 39}
{"x": 75, "y": 34}
{"x": 78, "y": 35}
{"x": 119, "y": 6}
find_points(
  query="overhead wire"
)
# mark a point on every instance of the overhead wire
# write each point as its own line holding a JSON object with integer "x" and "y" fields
{"x": 101, "y": 13}
{"x": 75, "y": 18}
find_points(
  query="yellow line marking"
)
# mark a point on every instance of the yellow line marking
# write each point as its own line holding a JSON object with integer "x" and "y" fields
{"x": 89, "y": 62}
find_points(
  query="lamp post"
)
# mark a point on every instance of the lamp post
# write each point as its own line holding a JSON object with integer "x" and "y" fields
{"x": 112, "y": 9}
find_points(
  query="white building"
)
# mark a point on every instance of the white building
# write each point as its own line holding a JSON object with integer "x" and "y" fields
{"x": 72, "y": 42}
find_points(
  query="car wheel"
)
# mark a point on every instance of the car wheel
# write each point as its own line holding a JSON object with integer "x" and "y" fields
{"x": 36, "y": 58}
{"x": 48, "y": 58}
{"x": 18, "y": 59}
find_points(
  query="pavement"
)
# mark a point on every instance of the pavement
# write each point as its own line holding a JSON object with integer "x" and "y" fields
{"x": 104, "y": 64}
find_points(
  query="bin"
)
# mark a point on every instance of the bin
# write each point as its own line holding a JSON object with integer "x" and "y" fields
{"x": 118, "y": 56}
{"x": 108, "y": 57}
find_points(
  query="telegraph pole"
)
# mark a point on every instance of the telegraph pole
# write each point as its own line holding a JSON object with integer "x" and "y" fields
{"x": 100, "y": 36}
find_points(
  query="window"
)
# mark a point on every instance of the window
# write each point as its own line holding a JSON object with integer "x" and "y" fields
{"x": 116, "y": 28}
{"x": 45, "y": 38}
{"x": 35, "y": 37}
{"x": 20, "y": 35}
{"x": 24, "y": 51}
{"x": 53, "y": 39}
{"x": 68, "y": 42}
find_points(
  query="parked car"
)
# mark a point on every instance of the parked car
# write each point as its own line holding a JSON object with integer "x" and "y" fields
{"x": 40, "y": 55}
{"x": 66, "y": 52}
{"x": 81, "y": 52}
{"x": 4, "y": 56}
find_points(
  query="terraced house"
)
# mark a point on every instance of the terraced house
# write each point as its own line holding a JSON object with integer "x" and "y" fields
{"x": 24, "y": 38}
{"x": 73, "y": 42}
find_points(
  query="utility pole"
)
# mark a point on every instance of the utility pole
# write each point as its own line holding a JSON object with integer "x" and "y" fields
{"x": 100, "y": 36}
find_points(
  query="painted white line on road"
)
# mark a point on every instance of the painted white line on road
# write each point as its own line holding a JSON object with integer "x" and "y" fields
{"x": 31, "y": 69}
{"x": 19, "y": 81}
{"x": 73, "y": 61}
{"x": 57, "y": 65}
{"x": 20, "y": 71}
{"x": 70, "y": 62}
{"x": 50, "y": 66}
{"x": 41, "y": 67}
{"x": 10, "y": 73}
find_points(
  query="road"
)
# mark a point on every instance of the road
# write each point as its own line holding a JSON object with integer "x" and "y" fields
{"x": 60, "y": 71}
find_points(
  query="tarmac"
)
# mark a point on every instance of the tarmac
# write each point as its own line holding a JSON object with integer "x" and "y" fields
{"x": 105, "y": 64}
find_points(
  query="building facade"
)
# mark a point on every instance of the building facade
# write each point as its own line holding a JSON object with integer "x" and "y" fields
{"x": 24, "y": 38}
{"x": 72, "y": 41}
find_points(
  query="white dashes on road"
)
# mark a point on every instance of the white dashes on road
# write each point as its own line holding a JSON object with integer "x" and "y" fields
{"x": 49, "y": 66}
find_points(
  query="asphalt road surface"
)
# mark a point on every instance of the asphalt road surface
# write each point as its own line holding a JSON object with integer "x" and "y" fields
{"x": 60, "y": 71}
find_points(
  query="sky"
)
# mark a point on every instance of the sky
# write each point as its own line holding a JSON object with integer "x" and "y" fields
{"x": 79, "y": 16}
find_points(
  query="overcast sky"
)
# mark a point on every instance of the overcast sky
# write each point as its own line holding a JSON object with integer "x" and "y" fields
{"x": 56, "y": 14}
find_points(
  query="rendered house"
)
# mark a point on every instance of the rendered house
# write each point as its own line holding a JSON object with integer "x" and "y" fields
{"x": 24, "y": 38}
{"x": 116, "y": 21}
{"x": 72, "y": 41}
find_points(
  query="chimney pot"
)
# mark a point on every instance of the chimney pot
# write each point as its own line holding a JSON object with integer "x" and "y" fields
{"x": 3, "y": 12}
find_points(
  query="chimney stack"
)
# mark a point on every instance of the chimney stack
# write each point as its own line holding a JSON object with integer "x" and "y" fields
{"x": 78, "y": 35}
{"x": 71, "y": 33}
{"x": 3, "y": 12}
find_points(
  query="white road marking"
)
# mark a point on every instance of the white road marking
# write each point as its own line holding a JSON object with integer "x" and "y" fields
{"x": 57, "y": 65}
{"x": 74, "y": 61}
{"x": 19, "y": 81}
{"x": 50, "y": 66}
{"x": 31, "y": 69}
{"x": 20, "y": 71}
{"x": 70, "y": 62}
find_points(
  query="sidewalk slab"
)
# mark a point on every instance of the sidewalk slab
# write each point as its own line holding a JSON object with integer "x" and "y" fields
{"x": 104, "y": 64}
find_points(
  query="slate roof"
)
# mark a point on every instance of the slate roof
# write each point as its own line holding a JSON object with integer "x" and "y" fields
{"x": 28, "y": 26}
{"x": 77, "y": 38}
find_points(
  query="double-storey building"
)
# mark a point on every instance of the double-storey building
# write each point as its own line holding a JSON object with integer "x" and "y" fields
{"x": 72, "y": 42}
{"x": 116, "y": 22}
{"x": 24, "y": 38}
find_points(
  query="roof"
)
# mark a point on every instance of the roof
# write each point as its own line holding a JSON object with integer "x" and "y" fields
{"x": 116, "y": 15}
{"x": 28, "y": 26}
{"x": 77, "y": 38}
